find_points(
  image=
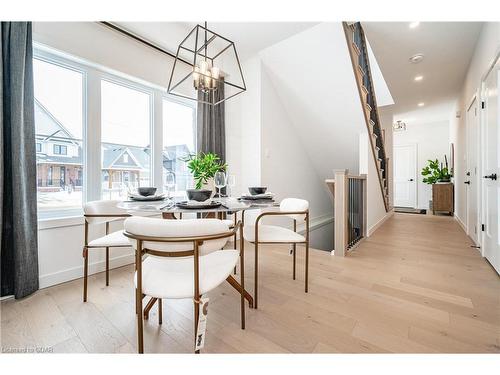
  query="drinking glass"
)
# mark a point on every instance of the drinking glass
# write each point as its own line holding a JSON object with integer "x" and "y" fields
{"x": 170, "y": 183}
{"x": 231, "y": 182}
{"x": 220, "y": 181}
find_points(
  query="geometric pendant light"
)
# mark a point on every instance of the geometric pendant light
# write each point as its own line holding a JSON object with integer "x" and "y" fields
{"x": 212, "y": 74}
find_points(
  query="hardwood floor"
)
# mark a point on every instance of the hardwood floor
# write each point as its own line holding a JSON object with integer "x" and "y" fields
{"x": 414, "y": 286}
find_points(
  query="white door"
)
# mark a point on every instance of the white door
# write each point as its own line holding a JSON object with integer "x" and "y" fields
{"x": 472, "y": 177}
{"x": 405, "y": 176}
{"x": 491, "y": 167}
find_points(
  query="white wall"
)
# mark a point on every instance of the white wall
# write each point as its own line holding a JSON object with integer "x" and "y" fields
{"x": 285, "y": 164}
{"x": 487, "y": 47}
{"x": 433, "y": 142}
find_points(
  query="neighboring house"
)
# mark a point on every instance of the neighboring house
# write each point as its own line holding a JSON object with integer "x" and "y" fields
{"x": 59, "y": 154}
{"x": 59, "y": 159}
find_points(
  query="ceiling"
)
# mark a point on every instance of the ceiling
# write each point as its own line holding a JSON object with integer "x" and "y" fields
{"x": 249, "y": 37}
{"x": 447, "y": 48}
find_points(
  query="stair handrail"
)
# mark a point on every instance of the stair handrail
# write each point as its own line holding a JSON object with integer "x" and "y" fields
{"x": 356, "y": 41}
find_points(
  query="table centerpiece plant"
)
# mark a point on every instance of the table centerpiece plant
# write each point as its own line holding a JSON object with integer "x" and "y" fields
{"x": 203, "y": 166}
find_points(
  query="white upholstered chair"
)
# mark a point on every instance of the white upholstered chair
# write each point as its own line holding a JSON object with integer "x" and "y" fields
{"x": 102, "y": 212}
{"x": 184, "y": 259}
{"x": 296, "y": 209}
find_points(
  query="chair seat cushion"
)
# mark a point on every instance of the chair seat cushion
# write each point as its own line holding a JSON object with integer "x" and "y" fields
{"x": 272, "y": 233}
{"x": 111, "y": 240}
{"x": 165, "y": 277}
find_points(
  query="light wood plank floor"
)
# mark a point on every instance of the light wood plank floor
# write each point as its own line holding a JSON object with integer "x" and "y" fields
{"x": 414, "y": 286}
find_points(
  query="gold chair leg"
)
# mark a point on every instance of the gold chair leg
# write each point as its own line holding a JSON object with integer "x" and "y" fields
{"x": 242, "y": 279}
{"x": 107, "y": 266}
{"x": 85, "y": 272}
{"x": 160, "y": 311}
{"x": 307, "y": 267}
{"x": 196, "y": 317}
{"x": 256, "y": 274}
{"x": 235, "y": 240}
{"x": 294, "y": 250}
{"x": 140, "y": 332}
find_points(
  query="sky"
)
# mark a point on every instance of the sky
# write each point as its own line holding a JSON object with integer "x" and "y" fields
{"x": 125, "y": 112}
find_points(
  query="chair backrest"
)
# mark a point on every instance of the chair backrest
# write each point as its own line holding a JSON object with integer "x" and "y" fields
{"x": 103, "y": 207}
{"x": 151, "y": 227}
{"x": 294, "y": 204}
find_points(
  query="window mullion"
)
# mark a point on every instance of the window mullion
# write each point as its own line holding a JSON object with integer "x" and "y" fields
{"x": 157, "y": 140}
{"x": 92, "y": 157}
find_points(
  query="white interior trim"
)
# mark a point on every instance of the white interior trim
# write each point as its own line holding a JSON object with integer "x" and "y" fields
{"x": 379, "y": 223}
{"x": 460, "y": 222}
{"x": 74, "y": 273}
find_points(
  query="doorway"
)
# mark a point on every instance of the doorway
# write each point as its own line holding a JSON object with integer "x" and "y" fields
{"x": 471, "y": 176}
{"x": 405, "y": 175}
{"x": 490, "y": 165}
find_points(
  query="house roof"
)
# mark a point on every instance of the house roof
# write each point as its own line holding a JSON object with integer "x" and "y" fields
{"x": 47, "y": 125}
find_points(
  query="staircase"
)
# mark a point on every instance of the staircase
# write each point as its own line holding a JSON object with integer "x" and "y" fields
{"x": 356, "y": 43}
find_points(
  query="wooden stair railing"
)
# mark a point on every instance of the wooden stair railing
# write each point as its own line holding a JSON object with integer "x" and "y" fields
{"x": 358, "y": 51}
{"x": 349, "y": 194}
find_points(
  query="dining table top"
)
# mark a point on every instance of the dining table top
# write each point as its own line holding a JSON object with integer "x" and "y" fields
{"x": 228, "y": 205}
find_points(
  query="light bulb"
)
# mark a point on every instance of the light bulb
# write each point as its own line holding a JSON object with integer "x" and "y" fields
{"x": 203, "y": 66}
{"x": 215, "y": 72}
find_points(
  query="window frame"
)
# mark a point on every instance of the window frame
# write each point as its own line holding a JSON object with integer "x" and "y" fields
{"x": 92, "y": 75}
{"x": 51, "y": 57}
{"x": 187, "y": 103}
{"x": 132, "y": 85}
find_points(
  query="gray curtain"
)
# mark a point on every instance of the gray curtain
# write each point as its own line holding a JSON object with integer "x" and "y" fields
{"x": 211, "y": 123}
{"x": 18, "y": 220}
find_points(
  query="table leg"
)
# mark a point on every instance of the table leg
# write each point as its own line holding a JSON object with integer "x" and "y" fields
{"x": 236, "y": 285}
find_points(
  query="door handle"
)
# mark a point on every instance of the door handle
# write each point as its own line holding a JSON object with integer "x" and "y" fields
{"x": 411, "y": 179}
{"x": 492, "y": 176}
{"x": 467, "y": 182}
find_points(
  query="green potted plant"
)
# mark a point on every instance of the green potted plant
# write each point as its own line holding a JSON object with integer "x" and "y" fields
{"x": 203, "y": 166}
{"x": 435, "y": 172}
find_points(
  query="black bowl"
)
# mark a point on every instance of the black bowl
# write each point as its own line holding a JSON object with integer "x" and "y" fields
{"x": 200, "y": 195}
{"x": 255, "y": 190}
{"x": 146, "y": 191}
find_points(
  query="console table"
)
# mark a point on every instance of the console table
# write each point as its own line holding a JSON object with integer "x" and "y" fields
{"x": 442, "y": 197}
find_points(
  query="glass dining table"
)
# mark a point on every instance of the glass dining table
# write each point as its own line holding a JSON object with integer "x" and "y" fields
{"x": 170, "y": 209}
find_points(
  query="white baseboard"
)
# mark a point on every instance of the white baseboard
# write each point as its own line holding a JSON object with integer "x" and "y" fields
{"x": 460, "y": 222}
{"x": 73, "y": 273}
{"x": 315, "y": 223}
{"x": 379, "y": 223}
{"x": 77, "y": 272}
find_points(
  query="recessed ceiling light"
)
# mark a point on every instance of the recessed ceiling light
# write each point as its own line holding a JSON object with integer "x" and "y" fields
{"x": 415, "y": 59}
{"x": 414, "y": 24}
{"x": 419, "y": 78}
{"x": 421, "y": 104}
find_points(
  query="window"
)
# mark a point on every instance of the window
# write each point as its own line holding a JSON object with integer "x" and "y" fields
{"x": 125, "y": 139}
{"x": 58, "y": 119}
{"x": 60, "y": 150}
{"x": 120, "y": 135}
{"x": 179, "y": 140}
